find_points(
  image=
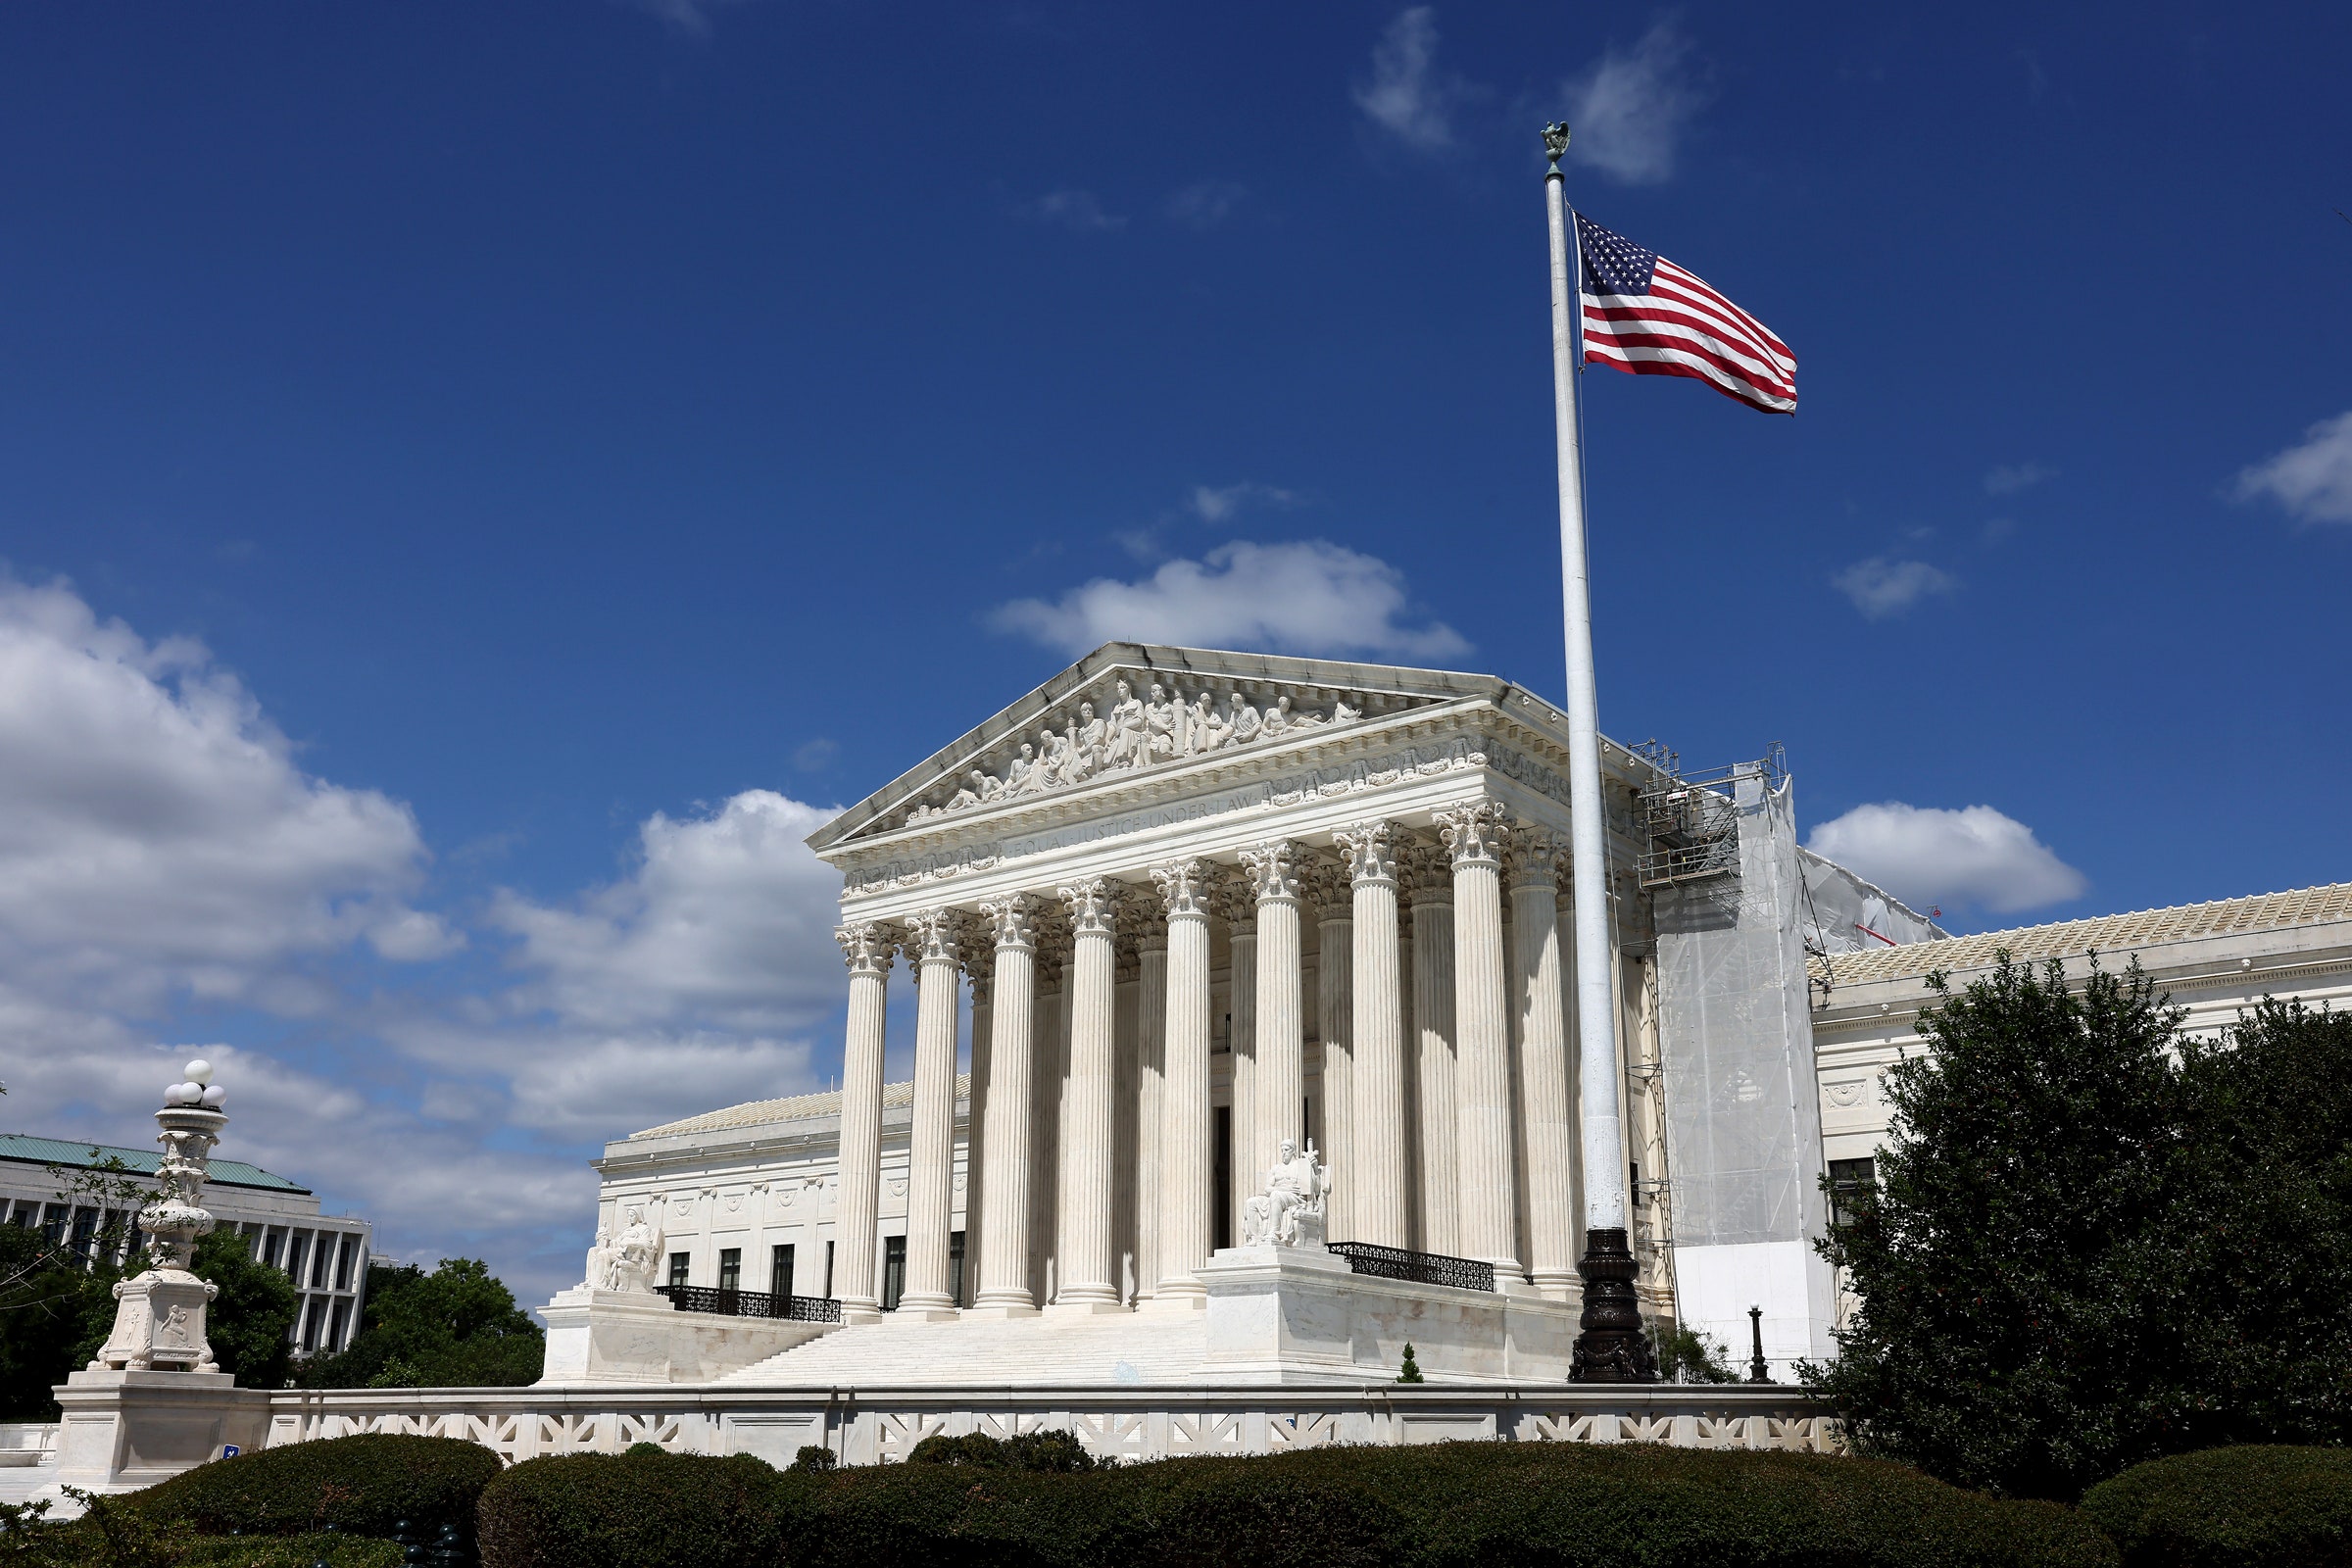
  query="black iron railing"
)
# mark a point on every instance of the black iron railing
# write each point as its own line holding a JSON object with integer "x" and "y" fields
{"x": 751, "y": 1304}
{"x": 1422, "y": 1268}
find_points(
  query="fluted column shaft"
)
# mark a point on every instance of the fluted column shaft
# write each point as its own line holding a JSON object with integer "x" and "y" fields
{"x": 1281, "y": 1003}
{"x": 1482, "y": 1054}
{"x": 1335, "y": 1008}
{"x": 1544, "y": 1070}
{"x": 867, "y": 949}
{"x": 981, "y": 981}
{"x": 1012, "y": 1088}
{"x": 931, "y": 1154}
{"x": 1088, "y": 1179}
{"x": 1434, "y": 1068}
{"x": 1184, "y": 1196}
{"x": 1382, "y": 1213}
{"x": 1152, "y": 1036}
{"x": 1241, "y": 1003}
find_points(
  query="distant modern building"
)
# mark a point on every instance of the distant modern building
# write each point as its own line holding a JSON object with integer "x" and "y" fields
{"x": 326, "y": 1256}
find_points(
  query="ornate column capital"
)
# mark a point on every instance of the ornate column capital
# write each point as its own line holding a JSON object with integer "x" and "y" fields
{"x": 1272, "y": 876}
{"x": 866, "y": 948}
{"x": 1536, "y": 858}
{"x": 1011, "y": 920}
{"x": 934, "y": 936}
{"x": 1473, "y": 833}
{"x": 1371, "y": 857}
{"x": 1185, "y": 887}
{"x": 1154, "y": 935}
{"x": 1422, "y": 873}
{"x": 1328, "y": 889}
{"x": 1094, "y": 905}
{"x": 1235, "y": 897}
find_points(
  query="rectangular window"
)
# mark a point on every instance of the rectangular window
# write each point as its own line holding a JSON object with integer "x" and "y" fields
{"x": 1849, "y": 1178}
{"x": 955, "y": 1267}
{"x": 343, "y": 1257}
{"x": 321, "y": 1259}
{"x": 295, "y": 1243}
{"x": 1224, "y": 1177}
{"x": 894, "y": 1271}
{"x": 730, "y": 1269}
{"x": 270, "y": 1241}
{"x": 677, "y": 1267}
{"x": 779, "y": 1270}
{"x": 335, "y": 1324}
{"x": 309, "y": 1323}
{"x": 828, "y": 1271}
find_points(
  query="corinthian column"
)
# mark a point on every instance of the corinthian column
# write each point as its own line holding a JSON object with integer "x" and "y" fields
{"x": 1241, "y": 1001}
{"x": 1434, "y": 1058}
{"x": 1087, "y": 1282}
{"x": 1150, "y": 1100}
{"x": 869, "y": 952}
{"x": 1381, "y": 1213}
{"x": 932, "y": 938}
{"x": 1012, "y": 1086}
{"x": 1280, "y": 1007}
{"x": 1544, "y": 1063}
{"x": 1184, "y": 1196}
{"x": 1335, "y": 1003}
{"x": 1473, "y": 838}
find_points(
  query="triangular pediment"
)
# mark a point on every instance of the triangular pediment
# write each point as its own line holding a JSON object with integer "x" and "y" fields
{"x": 1132, "y": 711}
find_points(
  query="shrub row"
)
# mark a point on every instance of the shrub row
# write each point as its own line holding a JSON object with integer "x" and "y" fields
{"x": 376, "y": 1484}
{"x": 1442, "y": 1506}
{"x": 2280, "y": 1507}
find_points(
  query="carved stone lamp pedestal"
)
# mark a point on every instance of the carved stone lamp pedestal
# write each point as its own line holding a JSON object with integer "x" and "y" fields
{"x": 152, "y": 1403}
{"x": 1610, "y": 1346}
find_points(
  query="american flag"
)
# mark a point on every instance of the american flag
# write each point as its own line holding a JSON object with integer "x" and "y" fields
{"x": 1648, "y": 316}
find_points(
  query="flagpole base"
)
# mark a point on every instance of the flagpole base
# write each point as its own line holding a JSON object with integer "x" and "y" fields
{"x": 1611, "y": 1345}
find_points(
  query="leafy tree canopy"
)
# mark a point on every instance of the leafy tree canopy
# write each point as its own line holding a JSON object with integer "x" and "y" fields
{"x": 456, "y": 1327}
{"x": 2095, "y": 1240}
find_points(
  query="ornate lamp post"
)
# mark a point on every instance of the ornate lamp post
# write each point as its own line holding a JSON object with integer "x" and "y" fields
{"x": 159, "y": 1321}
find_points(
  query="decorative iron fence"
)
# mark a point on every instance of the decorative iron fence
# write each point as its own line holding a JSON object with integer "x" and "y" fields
{"x": 1422, "y": 1268}
{"x": 751, "y": 1304}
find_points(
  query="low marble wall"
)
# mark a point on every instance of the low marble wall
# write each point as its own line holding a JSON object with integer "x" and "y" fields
{"x": 1117, "y": 1422}
{"x": 606, "y": 1337}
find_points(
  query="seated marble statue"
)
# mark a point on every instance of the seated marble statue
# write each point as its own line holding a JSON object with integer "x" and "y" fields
{"x": 1289, "y": 1210}
{"x": 631, "y": 1258}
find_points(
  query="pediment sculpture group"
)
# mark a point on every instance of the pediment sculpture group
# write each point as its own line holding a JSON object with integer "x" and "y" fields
{"x": 1134, "y": 733}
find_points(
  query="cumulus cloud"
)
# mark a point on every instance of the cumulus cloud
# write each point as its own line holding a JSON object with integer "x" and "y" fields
{"x": 155, "y": 835}
{"x": 1079, "y": 210}
{"x": 1404, "y": 95}
{"x": 1217, "y": 502}
{"x": 1305, "y": 597}
{"x": 1628, "y": 113}
{"x": 2010, "y": 477}
{"x": 1929, "y": 855}
{"x": 2313, "y": 479}
{"x": 1204, "y": 205}
{"x": 1881, "y": 588}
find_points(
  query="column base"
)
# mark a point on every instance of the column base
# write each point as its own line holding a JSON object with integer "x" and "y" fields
{"x": 861, "y": 1312}
{"x": 996, "y": 1310}
{"x": 937, "y": 1311}
{"x": 1611, "y": 1345}
{"x": 1171, "y": 1301}
{"x": 1086, "y": 1307}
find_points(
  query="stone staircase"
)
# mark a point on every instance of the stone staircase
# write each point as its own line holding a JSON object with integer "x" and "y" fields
{"x": 1123, "y": 1348}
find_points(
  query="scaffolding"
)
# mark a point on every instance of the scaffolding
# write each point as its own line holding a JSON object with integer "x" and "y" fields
{"x": 1691, "y": 821}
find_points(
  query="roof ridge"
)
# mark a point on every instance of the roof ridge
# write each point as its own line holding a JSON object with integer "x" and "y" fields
{"x": 758, "y": 1113}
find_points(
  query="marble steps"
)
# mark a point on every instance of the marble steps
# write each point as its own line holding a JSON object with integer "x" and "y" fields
{"x": 1139, "y": 1348}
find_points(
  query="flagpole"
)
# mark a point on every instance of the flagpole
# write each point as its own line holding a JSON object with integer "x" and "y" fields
{"x": 1611, "y": 1346}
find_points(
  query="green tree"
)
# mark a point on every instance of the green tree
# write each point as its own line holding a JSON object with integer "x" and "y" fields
{"x": 457, "y": 1327}
{"x": 2076, "y": 1210}
{"x": 251, "y": 1322}
{"x": 57, "y": 1291}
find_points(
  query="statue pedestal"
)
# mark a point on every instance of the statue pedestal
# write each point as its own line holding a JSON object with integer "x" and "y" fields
{"x": 1296, "y": 1314}
{"x": 159, "y": 1324}
{"x": 636, "y": 1337}
{"x": 126, "y": 1430}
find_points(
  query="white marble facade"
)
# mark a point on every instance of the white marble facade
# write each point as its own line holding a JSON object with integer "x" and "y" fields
{"x": 1169, "y": 893}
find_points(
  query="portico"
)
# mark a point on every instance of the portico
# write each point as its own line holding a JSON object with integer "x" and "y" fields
{"x": 1164, "y": 856}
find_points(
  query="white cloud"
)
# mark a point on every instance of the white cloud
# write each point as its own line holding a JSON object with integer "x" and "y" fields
{"x": 1079, "y": 210}
{"x": 1928, "y": 856}
{"x": 155, "y": 832}
{"x": 1881, "y": 588}
{"x": 1404, "y": 95}
{"x": 1627, "y": 114}
{"x": 2011, "y": 478}
{"x": 1204, "y": 205}
{"x": 815, "y": 755}
{"x": 1305, "y": 597}
{"x": 2312, "y": 480}
{"x": 1216, "y": 502}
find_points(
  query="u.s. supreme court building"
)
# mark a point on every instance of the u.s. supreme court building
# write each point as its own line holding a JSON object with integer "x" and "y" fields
{"x": 1243, "y": 1054}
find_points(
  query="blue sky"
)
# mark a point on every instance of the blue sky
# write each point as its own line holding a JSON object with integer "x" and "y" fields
{"x": 476, "y": 482}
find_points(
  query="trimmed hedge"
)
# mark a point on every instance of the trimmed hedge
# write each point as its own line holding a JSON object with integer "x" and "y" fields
{"x": 2280, "y": 1507}
{"x": 1450, "y": 1505}
{"x": 374, "y": 1484}
{"x": 291, "y": 1551}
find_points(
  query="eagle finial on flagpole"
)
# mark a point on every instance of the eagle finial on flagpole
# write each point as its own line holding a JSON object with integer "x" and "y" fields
{"x": 1556, "y": 143}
